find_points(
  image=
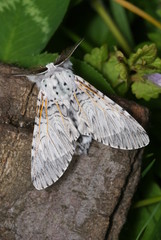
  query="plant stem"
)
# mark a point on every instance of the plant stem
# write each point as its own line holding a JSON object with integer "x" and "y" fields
{"x": 139, "y": 12}
{"x": 147, "y": 202}
{"x": 99, "y": 8}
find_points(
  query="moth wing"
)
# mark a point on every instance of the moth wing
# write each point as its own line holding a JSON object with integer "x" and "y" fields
{"x": 53, "y": 144}
{"x": 107, "y": 121}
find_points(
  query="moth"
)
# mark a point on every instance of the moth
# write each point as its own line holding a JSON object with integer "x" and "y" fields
{"x": 70, "y": 113}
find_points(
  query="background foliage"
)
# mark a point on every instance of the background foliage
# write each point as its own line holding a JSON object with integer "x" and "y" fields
{"x": 120, "y": 54}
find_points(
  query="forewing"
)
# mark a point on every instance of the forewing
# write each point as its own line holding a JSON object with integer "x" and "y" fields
{"x": 53, "y": 143}
{"x": 107, "y": 121}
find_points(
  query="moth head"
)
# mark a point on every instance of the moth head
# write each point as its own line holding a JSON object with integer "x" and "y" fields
{"x": 37, "y": 75}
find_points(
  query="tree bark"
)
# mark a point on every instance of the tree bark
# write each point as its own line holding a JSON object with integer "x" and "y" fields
{"x": 92, "y": 198}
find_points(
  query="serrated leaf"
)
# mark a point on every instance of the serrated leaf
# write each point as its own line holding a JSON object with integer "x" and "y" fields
{"x": 143, "y": 56}
{"x": 91, "y": 75}
{"x": 115, "y": 70}
{"x": 97, "y": 57}
{"x": 145, "y": 90}
{"x": 156, "y": 65}
{"x": 26, "y": 26}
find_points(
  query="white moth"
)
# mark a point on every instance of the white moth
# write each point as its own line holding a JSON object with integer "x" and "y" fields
{"x": 70, "y": 113}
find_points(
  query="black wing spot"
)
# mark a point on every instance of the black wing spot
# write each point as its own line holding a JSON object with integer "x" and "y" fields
{"x": 144, "y": 144}
{"x": 139, "y": 145}
{"x": 54, "y": 87}
{"x": 65, "y": 83}
{"x": 45, "y": 85}
{"x": 57, "y": 93}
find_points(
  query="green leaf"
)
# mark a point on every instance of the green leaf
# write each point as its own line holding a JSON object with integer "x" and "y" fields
{"x": 122, "y": 21}
{"x": 37, "y": 60}
{"x": 91, "y": 75}
{"x": 151, "y": 213}
{"x": 155, "y": 37}
{"x": 147, "y": 202}
{"x": 98, "y": 33}
{"x": 116, "y": 71}
{"x": 97, "y": 57}
{"x": 26, "y": 26}
{"x": 148, "y": 168}
{"x": 143, "y": 56}
{"x": 150, "y": 224}
{"x": 142, "y": 221}
{"x": 156, "y": 65}
{"x": 155, "y": 233}
{"x": 145, "y": 90}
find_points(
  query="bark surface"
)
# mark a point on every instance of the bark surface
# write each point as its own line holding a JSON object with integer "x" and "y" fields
{"x": 92, "y": 198}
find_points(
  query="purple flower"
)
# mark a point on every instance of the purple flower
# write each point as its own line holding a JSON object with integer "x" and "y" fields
{"x": 155, "y": 78}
